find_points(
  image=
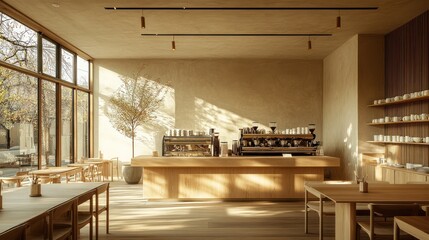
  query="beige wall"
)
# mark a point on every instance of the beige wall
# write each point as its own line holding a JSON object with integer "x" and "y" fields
{"x": 353, "y": 77}
{"x": 224, "y": 94}
{"x": 370, "y": 87}
{"x": 340, "y": 82}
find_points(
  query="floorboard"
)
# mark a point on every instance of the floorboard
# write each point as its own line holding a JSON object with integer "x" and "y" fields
{"x": 132, "y": 217}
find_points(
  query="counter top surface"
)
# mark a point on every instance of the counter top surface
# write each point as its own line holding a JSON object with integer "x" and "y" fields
{"x": 238, "y": 161}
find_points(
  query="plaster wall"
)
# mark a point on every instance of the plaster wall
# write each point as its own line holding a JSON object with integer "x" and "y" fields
{"x": 221, "y": 94}
{"x": 340, "y": 101}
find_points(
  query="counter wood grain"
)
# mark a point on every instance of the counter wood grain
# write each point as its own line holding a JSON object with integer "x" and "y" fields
{"x": 189, "y": 178}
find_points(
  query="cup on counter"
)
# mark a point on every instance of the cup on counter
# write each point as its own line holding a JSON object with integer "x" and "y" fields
{"x": 397, "y": 98}
{"x": 394, "y": 138}
{"x": 424, "y": 116}
{"x": 407, "y": 139}
{"x": 386, "y": 119}
{"x": 406, "y": 118}
{"x": 427, "y": 139}
{"x": 401, "y": 139}
{"x": 425, "y": 93}
{"x": 375, "y": 102}
{"x": 406, "y": 96}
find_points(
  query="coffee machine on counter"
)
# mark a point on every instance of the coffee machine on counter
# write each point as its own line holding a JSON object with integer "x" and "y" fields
{"x": 296, "y": 141}
{"x": 190, "y": 143}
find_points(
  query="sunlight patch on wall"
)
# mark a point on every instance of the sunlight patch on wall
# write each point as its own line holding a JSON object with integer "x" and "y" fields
{"x": 225, "y": 122}
{"x": 149, "y": 138}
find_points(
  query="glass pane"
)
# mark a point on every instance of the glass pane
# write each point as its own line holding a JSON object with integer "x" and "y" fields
{"x": 67, "y": 126}
{"x": 48, "y": 124}
{"x": 82, "y": 72}
{"x": 18, "y": 122}
{"x": 82, "y": 125}
{"x": 18, "y": 43}
{"x": 67, "y": 65}
{"x": 49, "y": 52}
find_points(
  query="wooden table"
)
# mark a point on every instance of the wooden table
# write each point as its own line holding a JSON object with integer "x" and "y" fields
{"x": 345, "y": 197}
{"x": 105, "y": 166}
{"x": 416, "y": 226}
{"x": 52, "y": 171}
{"x": 19, "y": 208}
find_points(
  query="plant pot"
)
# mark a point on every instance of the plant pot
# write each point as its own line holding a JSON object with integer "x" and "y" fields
{"x": 131, "y": 174}
{"x": 35, "y": 190}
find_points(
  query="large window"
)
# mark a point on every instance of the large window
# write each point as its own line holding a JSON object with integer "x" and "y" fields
{"x": 49, "y": 52}
{"x": 67, "y": 65}
{"x": 18, "y": 121}
{"x": 21, "y": 99}
{"x": 82, "y": 72}
{"x": 82, "y": 125}
{"x": 48, "y": 127}
{"x": 67, "y": 125}
{"x": 18, "y": 43}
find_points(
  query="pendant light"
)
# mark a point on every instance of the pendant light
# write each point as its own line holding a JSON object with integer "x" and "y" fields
{"x": 173, "y": 45}
{"x": 338, "y": 20}
{"x": 143, "y": 22}
{"x": 309, "y": 43}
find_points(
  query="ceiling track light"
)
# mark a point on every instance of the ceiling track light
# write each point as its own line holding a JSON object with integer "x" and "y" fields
{"x": 309, "y": 43}
{"x": 237, "y": 34}
{"x": 338, "y": 20}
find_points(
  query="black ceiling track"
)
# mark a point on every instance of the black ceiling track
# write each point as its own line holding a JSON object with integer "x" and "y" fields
{"x": 237, "y": 34}
{"x": 239, "y": 8}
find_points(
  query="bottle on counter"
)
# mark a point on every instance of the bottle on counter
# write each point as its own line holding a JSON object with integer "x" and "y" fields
{"x": 216, "y": 145}
{"x": 224, "y": 149}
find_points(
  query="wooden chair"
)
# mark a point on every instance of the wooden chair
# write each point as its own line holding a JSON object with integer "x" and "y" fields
{"x": 100, "y": 208}
{"x": 380, "y": 223}
{"x": 83, "y": 217}
{"x": 16, "y": 233}
{"x": 16, "y": 180}
{"x": 58, "y": 230}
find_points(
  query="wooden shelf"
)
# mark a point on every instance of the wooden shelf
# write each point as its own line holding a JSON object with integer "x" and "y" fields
{"x": 400, "y": 122}
{"x": 299, "y": 136}
{"x": 402, "y": 143}
{"x": 415, "y": 99}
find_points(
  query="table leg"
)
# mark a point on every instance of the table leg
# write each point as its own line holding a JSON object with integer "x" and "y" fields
{"x": 345, "y": 221}
{"x": 305, "y": 211}
{"x": 396, "y": 230}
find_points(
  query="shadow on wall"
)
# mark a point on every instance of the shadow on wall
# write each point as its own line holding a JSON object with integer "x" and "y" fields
{"x": 221, "y": 94}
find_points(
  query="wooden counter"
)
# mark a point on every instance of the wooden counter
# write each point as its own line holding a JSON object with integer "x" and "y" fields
{"x": 246, "y": 177}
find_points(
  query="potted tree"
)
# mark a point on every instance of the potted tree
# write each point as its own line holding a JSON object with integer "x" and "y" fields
{"x": 133, "y": 105}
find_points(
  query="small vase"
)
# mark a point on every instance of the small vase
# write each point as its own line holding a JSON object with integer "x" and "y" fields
{"x": 363, "y": 187}
{"x": 35, "y": 190}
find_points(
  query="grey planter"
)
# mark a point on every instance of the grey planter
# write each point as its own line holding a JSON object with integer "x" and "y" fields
{"x": 132, "y": 175}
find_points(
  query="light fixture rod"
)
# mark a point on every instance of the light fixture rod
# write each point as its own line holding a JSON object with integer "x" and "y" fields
{"x": 237, "y": 34}
{"x": 239, "y": 8}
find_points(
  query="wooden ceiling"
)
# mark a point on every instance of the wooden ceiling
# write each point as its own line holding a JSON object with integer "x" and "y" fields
{"x": 117, "y": 34}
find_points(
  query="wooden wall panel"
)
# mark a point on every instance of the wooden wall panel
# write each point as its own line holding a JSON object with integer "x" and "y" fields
{"x": 407, "y": 68}
{"x": 227, "y": 183}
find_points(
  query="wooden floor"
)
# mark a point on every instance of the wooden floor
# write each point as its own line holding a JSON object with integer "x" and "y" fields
{"x": 134, "y": 218}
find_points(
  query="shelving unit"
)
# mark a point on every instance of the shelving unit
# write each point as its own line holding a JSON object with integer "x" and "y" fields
{"x": 400, "y": 122}
{"x": 402, "y": 143}
{"x": 415, "y": 99}
{"x": 403, "y": 123}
